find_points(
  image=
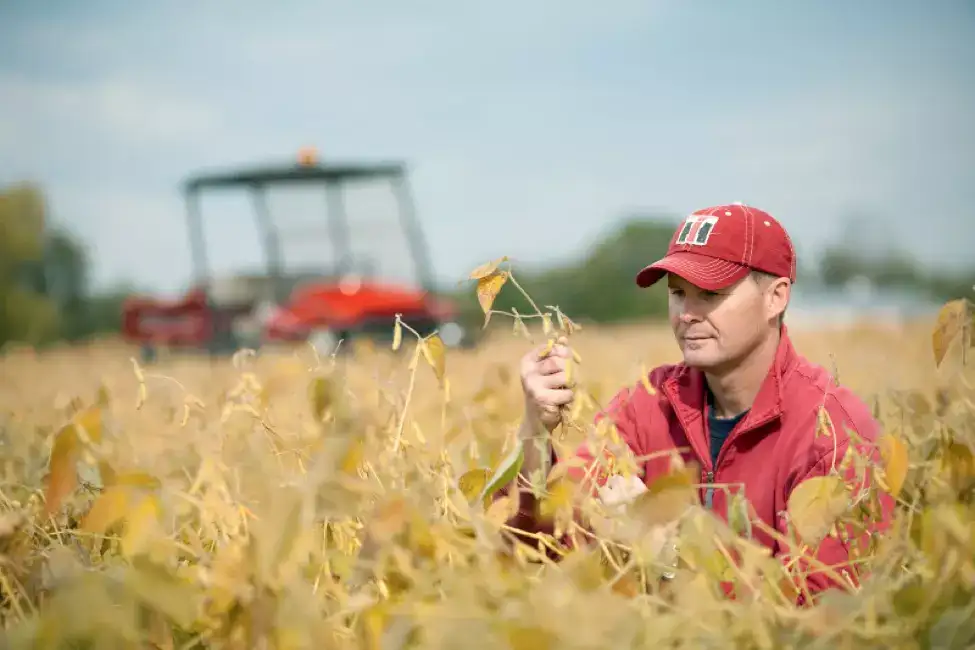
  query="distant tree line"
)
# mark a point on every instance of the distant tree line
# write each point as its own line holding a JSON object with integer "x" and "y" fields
{"x": 46, "y": 295}
{"x": 45, "y": 291}
{"x": 600, "y": 286}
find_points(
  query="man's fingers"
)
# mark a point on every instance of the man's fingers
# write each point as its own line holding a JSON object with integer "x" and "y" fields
{"x": 555, "y": 380}
{"x": 556, "y": 397}
{"x": 551, "y": 366}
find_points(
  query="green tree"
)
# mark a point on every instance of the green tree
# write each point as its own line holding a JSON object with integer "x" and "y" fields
{"x": 26, "y": 314}
{"x": 599, "y": 287}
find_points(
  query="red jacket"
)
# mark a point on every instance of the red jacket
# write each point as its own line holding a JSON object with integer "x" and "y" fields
{"x": 772, "y": 449}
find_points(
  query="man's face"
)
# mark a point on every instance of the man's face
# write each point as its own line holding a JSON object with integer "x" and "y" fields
{"x": 716, "y": 329}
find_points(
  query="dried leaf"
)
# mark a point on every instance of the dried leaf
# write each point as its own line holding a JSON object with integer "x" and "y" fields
{"x": 137, "y": 479}
{"x": 471, "y": 484}
{"x": 487, "y": 269}
{"x": 433, "y": 352}
{"x": 355, "y": 455}
{"x": 62, "y": 475}
{"x": 140, "y": 525}
{"x": 667, "y": 498}
{"x": 816, "y": 504}
{"x": 487, "y": 290}
{"x": 896, "y": 462}
{"x": 560, "y": 497}
{"x": 109, "y": 508}
{"x": 501, "y": 510}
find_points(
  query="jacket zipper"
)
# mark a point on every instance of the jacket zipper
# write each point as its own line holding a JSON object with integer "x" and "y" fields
{"x": 709, "y": 476}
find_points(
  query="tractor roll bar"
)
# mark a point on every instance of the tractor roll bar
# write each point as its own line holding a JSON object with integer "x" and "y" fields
{"x": 332, "y": 176}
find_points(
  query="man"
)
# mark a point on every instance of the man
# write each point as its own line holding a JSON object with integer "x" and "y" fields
{"x": 743, "y": 403}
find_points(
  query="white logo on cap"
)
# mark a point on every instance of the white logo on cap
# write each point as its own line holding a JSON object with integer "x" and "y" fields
{"x": 697, "y": 230}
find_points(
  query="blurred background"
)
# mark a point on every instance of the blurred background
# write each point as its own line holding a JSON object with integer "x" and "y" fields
{"x": 569, "y": 136}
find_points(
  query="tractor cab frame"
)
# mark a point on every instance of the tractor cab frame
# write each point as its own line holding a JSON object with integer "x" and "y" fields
{"x": 338, "y": 304}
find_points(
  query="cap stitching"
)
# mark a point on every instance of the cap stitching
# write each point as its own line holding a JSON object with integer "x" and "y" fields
{"x": 725, "y": 268}
{"x": 749, "y": 238}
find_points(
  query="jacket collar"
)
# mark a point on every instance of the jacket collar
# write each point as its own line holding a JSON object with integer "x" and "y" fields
{"x": 686, "y": 388}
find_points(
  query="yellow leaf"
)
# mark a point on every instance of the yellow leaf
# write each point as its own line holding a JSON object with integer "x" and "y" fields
{"x": 433, "y": 352}
{"x": 355, "y": 454}
{"x": 488, "y": 288}
{"x": 523, "y": 637}
{"x": 137, "y": 479}
{"x": 501, "y": 510}
{"x": 140, "y": 525}
{"x": 486, "y": 269}
{"x": 109, "y": 508}
{"x": 954, "y": 319}
{"x": 472, "y": 483}
{"x": 958, "y": 466}
{"x": 895, "y": 463}
{"x": 667, "y": 498}
{"x": 321, "y": 393}
{"x": 816, "y": 504}
{"x": 374, "y": 620}
{"x": 397, "y": 335}
{"x": 63, "y": 478}
{"x": 89, "y": 422}
{"x": 560, "y": 497}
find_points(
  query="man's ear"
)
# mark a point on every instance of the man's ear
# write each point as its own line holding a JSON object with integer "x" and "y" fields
{"x": 778, "y": 295}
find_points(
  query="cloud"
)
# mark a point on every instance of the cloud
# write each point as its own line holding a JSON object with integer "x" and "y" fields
{"x": 117, "y": 110}
{"x": 529, "y": 127}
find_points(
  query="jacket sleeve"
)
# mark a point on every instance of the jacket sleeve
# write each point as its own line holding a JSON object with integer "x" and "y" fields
{"x": 621, "y": 414}
{"x": 834, "y": 551}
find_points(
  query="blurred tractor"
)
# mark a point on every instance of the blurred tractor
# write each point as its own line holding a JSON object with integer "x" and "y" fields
{"x": 324, "y": 307}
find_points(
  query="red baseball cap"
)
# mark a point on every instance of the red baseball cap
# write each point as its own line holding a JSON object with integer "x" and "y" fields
{"x": 716, "y": 247}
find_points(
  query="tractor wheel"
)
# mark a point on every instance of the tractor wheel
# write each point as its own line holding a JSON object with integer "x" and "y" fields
{"x": 148, "y": 354}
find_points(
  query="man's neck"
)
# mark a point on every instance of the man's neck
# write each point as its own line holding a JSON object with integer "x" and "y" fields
{"x": 735, "y": 391}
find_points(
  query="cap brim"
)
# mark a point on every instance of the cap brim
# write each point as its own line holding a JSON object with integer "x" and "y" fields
{"x": 702, "y": 271}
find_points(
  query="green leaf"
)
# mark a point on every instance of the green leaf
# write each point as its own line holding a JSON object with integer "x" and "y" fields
{"x": 506, "y": 471}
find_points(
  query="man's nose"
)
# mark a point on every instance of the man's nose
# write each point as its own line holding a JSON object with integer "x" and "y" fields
{"x": 691, "y": 311}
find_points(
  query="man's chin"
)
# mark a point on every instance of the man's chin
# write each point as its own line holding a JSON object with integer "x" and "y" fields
{"x": 699, "y": 359}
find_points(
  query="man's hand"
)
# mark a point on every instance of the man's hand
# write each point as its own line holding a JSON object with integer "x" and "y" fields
{"x": 545, "y": 384}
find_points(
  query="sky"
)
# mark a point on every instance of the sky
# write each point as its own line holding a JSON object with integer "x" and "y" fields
{"x": 530, "y": 129}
